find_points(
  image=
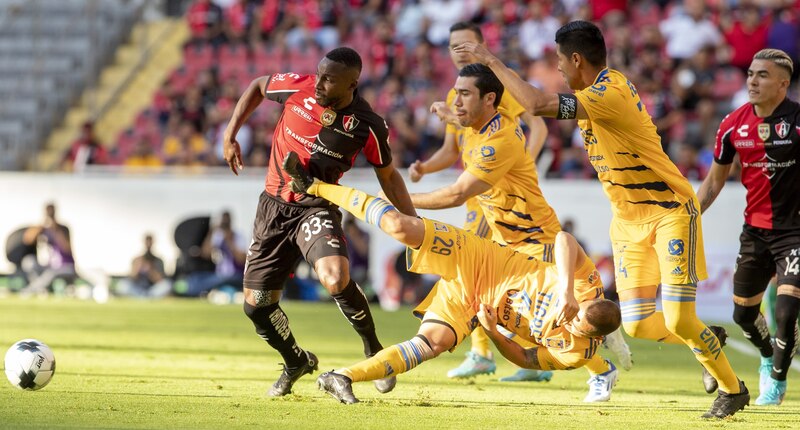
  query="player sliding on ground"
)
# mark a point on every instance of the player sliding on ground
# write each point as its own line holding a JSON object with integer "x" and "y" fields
{"x": 560, "y": 308}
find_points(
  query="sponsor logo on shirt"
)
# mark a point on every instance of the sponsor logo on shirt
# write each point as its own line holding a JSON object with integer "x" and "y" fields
{"x": 301, "y": 113}
{"x": 744, "y": 143}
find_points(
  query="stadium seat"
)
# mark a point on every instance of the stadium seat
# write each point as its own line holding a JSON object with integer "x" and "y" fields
{"x": 16, "y": 249}
{"x": 189, "y": 236}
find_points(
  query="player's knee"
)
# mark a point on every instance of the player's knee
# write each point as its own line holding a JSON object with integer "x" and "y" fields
{"x": 786, "y": 310}
{"x": 634, "y": 328}
{"x": 334, "y": 279}
{"x": 745, "y": 315}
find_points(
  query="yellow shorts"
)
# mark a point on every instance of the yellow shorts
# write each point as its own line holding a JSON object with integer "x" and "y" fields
{"x": 472, "y": 269}
{"x": 674, "y": 241}
{"x": 476, "y": 222}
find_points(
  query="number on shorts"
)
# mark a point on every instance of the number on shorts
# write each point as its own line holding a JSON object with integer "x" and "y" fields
{"x": 446, "y": 245}
{"x": 314, "y": 225}
{"x": 792, "y": 266}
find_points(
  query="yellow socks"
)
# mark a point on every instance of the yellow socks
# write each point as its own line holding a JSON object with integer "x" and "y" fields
{"x": 362, "y": 205}
{"x": 681, "y": 318}
{"x": 640, "y": 319}
{"x": 480, "y": 343}
{"x": 391, "y": 361}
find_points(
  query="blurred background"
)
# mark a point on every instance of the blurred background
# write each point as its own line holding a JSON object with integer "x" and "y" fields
{"x": 112, "y": 112}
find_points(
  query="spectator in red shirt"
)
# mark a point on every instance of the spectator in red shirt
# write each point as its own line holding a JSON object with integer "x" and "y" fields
{"x": 746, "y": 36}
{"x": 84, "y": 151}
{"x": 205, "y": 21}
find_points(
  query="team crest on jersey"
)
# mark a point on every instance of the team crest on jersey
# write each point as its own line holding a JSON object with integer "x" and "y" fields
{"x": 349, "y": 122}
{"x": 439, "y": 227}
{"x": 763, "y": 131}
{"x": 782, "y": 128}
{"x": 328, "y": 117}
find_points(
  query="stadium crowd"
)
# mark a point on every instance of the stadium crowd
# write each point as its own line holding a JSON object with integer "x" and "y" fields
{"x": 687, "y": 58}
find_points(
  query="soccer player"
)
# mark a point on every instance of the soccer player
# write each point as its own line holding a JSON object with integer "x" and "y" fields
{"x": 765, "y": 132}
{"x": 328, "y": 123}
{"x": 655, "y": 230}
{"x": 559, "y": 308}
{"x": 479, "y": 359}
{"x": 503, "y": 181}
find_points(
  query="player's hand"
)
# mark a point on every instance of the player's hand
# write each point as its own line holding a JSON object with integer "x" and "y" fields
{"x": 233, "y": 154}
{"x": 487, "y": 316}
{"x": 415, "y": 171}
{"x": 567, "y": 309}
{"x": 444, "y": 113}
{"x": 481, "y": 54}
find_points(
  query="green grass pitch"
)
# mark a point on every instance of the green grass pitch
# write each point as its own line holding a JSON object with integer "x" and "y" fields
{"x": 191, "y": 365}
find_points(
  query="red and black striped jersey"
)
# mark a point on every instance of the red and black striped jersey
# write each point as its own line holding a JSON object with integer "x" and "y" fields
{"x": 326, "y": 140}
{"x": 768, "y": 149}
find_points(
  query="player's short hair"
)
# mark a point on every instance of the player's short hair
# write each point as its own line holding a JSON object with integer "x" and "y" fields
{"x": 780, "y": 58}
{"x": 584, "y": 38}
{"x": 604, "y": 315}
{"x": 486, "y": 81}
{"x": 347, "y": 56}
{"x": 466, "y": 25}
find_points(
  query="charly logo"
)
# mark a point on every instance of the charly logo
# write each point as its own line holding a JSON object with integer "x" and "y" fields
{"x": 763, "y": 131}
{"x": 349, "y": 122}
{"x": 328, "y": 117}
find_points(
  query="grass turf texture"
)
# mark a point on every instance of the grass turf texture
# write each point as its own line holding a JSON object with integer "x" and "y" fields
{"x": 189, "y": 364}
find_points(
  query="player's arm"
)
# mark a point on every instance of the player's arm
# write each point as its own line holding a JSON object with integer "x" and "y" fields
{"x": 452, "y": 195}
{"x": 535, "y": 101}
{"x": 537, "y": 133}
{"x": 512, "y": 351}
{"x": 443, "y": 158}
{"x": 568, "y": 257}
{"x": 394, "y": 188}
{"x": 712, "y": 184}
{"x": 248, "y": 102}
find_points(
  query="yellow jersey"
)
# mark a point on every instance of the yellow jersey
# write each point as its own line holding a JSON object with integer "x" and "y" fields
{"x": 476, "y": 222}
{"x": 523, "y": 289}
{"x": 514, "y": 207}
{"x": 623, "y": 147}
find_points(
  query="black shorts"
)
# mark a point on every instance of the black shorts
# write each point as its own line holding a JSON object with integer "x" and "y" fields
{"x": 284, "y": 232}
{"x": 763, "y": 254}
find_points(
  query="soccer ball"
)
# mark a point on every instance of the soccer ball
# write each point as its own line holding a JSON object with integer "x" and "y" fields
{"x": 30, "y": 364}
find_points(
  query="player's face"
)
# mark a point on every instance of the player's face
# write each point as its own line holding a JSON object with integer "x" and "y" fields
{"x": 568, "y": 70}
{"x": 766, "y": 82}
{"x": 470, "y": 106}
{"x": 457, "y": 38}
{"x": 335, "y": 83}
{"x": 579, "y": 326}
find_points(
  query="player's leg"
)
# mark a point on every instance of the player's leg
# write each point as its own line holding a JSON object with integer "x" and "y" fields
{"x": 270, "y": 258}
{"x": 433, "y": 338}
{"x": 754, "y": 267}
{"x": 637, "y": 280}
{"x": 679, "y": 246}
{"x": 479, "y": 359}
{"x": 602, "y": 378}
{"x": 321, "y": 240}
{"x": 786, "y": 248}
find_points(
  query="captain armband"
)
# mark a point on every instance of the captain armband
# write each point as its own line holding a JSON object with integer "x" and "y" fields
{"x": 567, "y": 106}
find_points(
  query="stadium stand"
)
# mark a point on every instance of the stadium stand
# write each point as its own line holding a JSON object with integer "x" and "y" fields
{"x": 230, "y": 42}
{"x": 50, "y": 50}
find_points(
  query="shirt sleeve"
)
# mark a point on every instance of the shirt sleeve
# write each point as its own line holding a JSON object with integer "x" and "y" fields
{"x": 724, "y": 151}
{"x": 377, "y": 149}
{"x": 283, "y": 85}
{"x": 510, "y": 106}
{"x": 604, "y": 102}
{"x": 493, "y": 158}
